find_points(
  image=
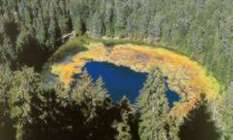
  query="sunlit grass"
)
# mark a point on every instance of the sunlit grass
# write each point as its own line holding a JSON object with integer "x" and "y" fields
{"x": 185, "y": 76}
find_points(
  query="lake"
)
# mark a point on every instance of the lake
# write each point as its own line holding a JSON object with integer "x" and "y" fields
{"x": 121, "y": 81}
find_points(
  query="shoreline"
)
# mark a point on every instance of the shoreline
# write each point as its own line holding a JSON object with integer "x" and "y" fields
{"x": 186, "y": 77}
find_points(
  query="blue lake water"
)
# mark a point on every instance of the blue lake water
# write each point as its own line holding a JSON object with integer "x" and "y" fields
{"x": 122, "y": 81}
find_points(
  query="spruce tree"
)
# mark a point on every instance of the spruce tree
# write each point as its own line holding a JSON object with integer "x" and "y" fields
{"x": 7, "y": 51}
{"x": 91, "y": 96}
{"x": 23, "y": 41}
{"x": 93, "y": 104}
{"x": 123, "y": 128}
{"x": 120, "y": 17}
{"x": 25, "y": 88}
{"x": 7, "y": 132}
{"x": 154, "y": 108}
{"x": 225, "y": 113}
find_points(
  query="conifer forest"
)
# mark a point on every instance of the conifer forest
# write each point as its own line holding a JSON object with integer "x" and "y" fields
{"x": 116, "y": 70}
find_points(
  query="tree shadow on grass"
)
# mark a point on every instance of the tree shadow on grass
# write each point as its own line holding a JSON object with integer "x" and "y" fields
{"x": 199, "y": 126}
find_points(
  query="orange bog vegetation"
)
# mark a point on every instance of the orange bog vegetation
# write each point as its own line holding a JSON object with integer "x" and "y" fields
{"x": 185, "y": 76}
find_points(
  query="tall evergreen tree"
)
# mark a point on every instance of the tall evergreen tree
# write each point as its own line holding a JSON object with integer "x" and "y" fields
{"x": 225, "y": 113}
{"x": 93, "y": 103}
{"x": 25, "y": 88}
{"x": 154, "y": 108}
{"x": 7, "y": 131}
{"x": 123, "y": 128}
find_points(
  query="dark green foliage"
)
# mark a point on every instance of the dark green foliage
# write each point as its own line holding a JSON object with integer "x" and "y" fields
{"x": 123, "y": 127}
{"x": 25, "y": 88}
{"x": 154, "y": 109}
{"x": 7, "y": 49}
{"x": 18, "y": 94}
{"x": 32, "y": 24}
{"x": 225, "y": 113}
{"x": 7, "y": 132}
{"x": 180, "y": 25}
{"x": 31, "y": 30}
{"x": 30, "y": 111}
{"x": 98, "y": 113}
{"x": 93, "y": 97}
{"x": 201, "y": 29}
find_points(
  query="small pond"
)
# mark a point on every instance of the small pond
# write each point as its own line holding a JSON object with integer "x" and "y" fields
{"x": 122, "y": 81}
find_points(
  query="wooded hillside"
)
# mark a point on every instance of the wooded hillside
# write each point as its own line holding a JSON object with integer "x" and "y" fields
{"x": 32, "y": 30}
